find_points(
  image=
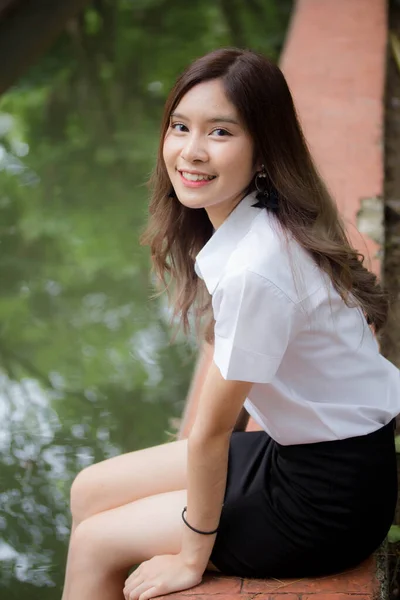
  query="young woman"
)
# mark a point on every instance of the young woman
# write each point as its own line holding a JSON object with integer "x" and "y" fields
{"x": 245, "y": 232}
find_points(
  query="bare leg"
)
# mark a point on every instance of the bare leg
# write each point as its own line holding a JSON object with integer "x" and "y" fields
{"x": 105, "y": 546}
{"x": 124, "y": 479}
{"x": 129, "y": 477}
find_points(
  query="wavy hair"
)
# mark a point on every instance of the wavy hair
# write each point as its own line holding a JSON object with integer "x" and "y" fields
{"x": 176, "y": 233}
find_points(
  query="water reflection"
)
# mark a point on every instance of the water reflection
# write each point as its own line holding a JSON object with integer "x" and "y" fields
{"x": 46, "y": 438}
{"x": 86, "y": 367}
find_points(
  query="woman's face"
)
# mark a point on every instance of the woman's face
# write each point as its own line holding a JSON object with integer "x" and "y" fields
{"x": 207, "y": 152}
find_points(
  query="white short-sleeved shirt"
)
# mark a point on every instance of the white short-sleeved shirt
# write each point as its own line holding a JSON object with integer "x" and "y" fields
{"x": 316, "y": 367}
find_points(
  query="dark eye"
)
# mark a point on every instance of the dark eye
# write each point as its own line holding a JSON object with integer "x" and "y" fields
{"x": 221, "y": 132}
{"x": 178, "y": 127}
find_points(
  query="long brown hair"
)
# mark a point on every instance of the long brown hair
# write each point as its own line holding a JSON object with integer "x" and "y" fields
{"x": 175, "y": 233}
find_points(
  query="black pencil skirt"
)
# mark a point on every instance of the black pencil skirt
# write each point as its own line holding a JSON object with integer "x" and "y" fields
{"x": 305, "y": 510}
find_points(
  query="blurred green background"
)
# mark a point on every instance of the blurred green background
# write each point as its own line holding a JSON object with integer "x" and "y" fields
{"x": 87, "y": 370}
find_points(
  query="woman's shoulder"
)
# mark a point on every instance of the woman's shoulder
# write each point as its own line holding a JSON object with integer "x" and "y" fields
{"x": 278, "y": 258}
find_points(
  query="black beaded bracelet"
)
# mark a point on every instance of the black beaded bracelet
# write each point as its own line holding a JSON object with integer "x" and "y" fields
{"x": 196, "y": 530}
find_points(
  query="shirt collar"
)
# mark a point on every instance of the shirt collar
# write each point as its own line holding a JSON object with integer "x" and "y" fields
{"x": 213, "y": 257}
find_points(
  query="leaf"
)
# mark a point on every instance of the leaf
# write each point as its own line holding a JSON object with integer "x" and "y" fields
{"x": 394, "y": 534}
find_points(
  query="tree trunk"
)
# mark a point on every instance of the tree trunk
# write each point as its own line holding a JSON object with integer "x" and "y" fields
{"x": 231, "y": 13}
{"x": 27, "y": 30}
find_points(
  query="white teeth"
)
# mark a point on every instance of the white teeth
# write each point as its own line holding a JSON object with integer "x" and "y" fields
{"x": 194, "y": 177}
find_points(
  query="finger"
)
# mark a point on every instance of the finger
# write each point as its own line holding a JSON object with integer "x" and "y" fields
{"x": 136, "y": 591}
{"x": 129, "y": 587}
{"x": 135, "y": 573}
{"x": 133, "y": 577}
{"x": 151, "y": 593}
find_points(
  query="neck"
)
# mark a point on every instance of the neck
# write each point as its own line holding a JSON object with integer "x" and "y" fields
{"x": 219, "y": 213}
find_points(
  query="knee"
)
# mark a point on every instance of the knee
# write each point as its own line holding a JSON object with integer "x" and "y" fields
{"x": 83, "y": 496}
{"x": 88, "y": 548}
{"x": 93, "y": 549}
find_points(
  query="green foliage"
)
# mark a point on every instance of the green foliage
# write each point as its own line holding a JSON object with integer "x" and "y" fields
{"x": 394, "y": 534}
{"x": 87, "y": 369}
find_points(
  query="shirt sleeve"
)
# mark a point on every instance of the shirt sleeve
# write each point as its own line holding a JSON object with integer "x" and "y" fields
{"x": 254, "y": 322}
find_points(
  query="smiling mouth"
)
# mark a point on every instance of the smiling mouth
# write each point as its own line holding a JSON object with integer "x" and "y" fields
{"x": 196, "y": 177}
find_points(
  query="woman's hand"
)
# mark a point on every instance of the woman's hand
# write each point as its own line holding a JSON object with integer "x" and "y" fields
{"x": 161, "y": 575}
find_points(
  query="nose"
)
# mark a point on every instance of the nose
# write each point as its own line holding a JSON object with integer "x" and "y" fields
{"x": 194, "y": 149}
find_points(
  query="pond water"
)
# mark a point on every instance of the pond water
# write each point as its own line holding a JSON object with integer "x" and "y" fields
{"x": 87, "y": 369}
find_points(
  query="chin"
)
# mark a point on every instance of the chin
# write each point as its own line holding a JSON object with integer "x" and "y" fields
{"x": 190, "y": 203}
{"x": 189, "y": 199}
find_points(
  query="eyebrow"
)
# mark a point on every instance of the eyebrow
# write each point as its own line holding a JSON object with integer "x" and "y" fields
{"x": 218, "y": 119}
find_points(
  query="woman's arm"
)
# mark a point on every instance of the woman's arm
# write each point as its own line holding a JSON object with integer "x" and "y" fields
{"x": 204, "y": 362}
{"x": 220, "y": 404}
{"x": 242, "y": 420}
{"x": 218, "y": 408}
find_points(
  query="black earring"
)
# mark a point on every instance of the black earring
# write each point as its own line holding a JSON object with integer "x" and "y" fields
{"x": 260, "y": 182}
{"x": 172, "y": 194}
{"x": 267, "y": 195}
